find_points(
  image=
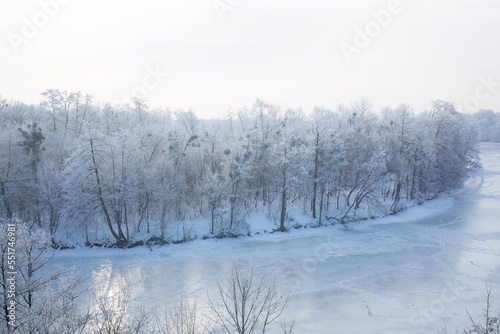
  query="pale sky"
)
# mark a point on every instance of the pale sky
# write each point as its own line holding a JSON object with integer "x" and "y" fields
{"x": 284, "y": 51}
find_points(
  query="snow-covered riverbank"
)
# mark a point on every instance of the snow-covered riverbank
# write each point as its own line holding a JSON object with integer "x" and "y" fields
{"x": 398, "y": 274}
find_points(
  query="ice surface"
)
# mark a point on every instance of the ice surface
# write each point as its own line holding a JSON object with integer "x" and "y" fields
{"x": 405, "y": 273}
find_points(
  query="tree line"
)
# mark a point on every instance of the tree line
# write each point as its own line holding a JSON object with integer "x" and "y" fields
{"x": 488, "y": 125}
{"x": 87, "y": 171}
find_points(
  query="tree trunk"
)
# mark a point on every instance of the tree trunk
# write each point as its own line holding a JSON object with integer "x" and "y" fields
{"x": 125, "y": 217}
{"x": 163, "y": 216}
{"x": 283, "y": 199}
{"x": 5, "y": 201}
{"x": 87, "y": 235}
{"x": 397, "y": 194}
{"x": 233, "y": 202}
{"x": 315, "y": 184}
{"x": 121, "y": 241}
{"x": 321, "y": 200}
{"x": 212, "y": 227}
{"x": 338, "y": 199}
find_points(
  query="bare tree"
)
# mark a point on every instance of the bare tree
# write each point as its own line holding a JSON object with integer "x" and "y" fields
{"x": 491, "y": 321}
{"x": 112, "y": 314}
{"x": 181, "y": 318}
{"x": 246, "y": 304}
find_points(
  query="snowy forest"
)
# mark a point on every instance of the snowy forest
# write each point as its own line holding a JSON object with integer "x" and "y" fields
{"x": 488, "y": 125}
{"x": 87, "y": 172}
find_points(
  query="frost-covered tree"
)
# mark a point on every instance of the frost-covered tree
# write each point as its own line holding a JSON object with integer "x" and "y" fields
{"x": 95, "y": 182}
{"x": 324, "y": 161}
{"x": 83, "y": 171}
{"x": 45, "y": 303}
{"x": 488, "y": 125}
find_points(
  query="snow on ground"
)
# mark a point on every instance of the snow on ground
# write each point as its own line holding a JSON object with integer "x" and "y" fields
{"x": 405, "y": 273}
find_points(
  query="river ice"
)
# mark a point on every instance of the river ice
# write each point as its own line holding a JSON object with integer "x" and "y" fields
{"x": 406, "y": 273}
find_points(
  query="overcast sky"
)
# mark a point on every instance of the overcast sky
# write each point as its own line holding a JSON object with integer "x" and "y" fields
{"x": 225, "y": 53}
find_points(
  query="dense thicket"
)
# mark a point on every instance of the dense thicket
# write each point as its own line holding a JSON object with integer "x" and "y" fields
{"x": 87, "y": 171}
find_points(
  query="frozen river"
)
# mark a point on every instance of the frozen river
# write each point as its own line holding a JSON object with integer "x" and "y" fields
{"x": 400, "y": 274}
